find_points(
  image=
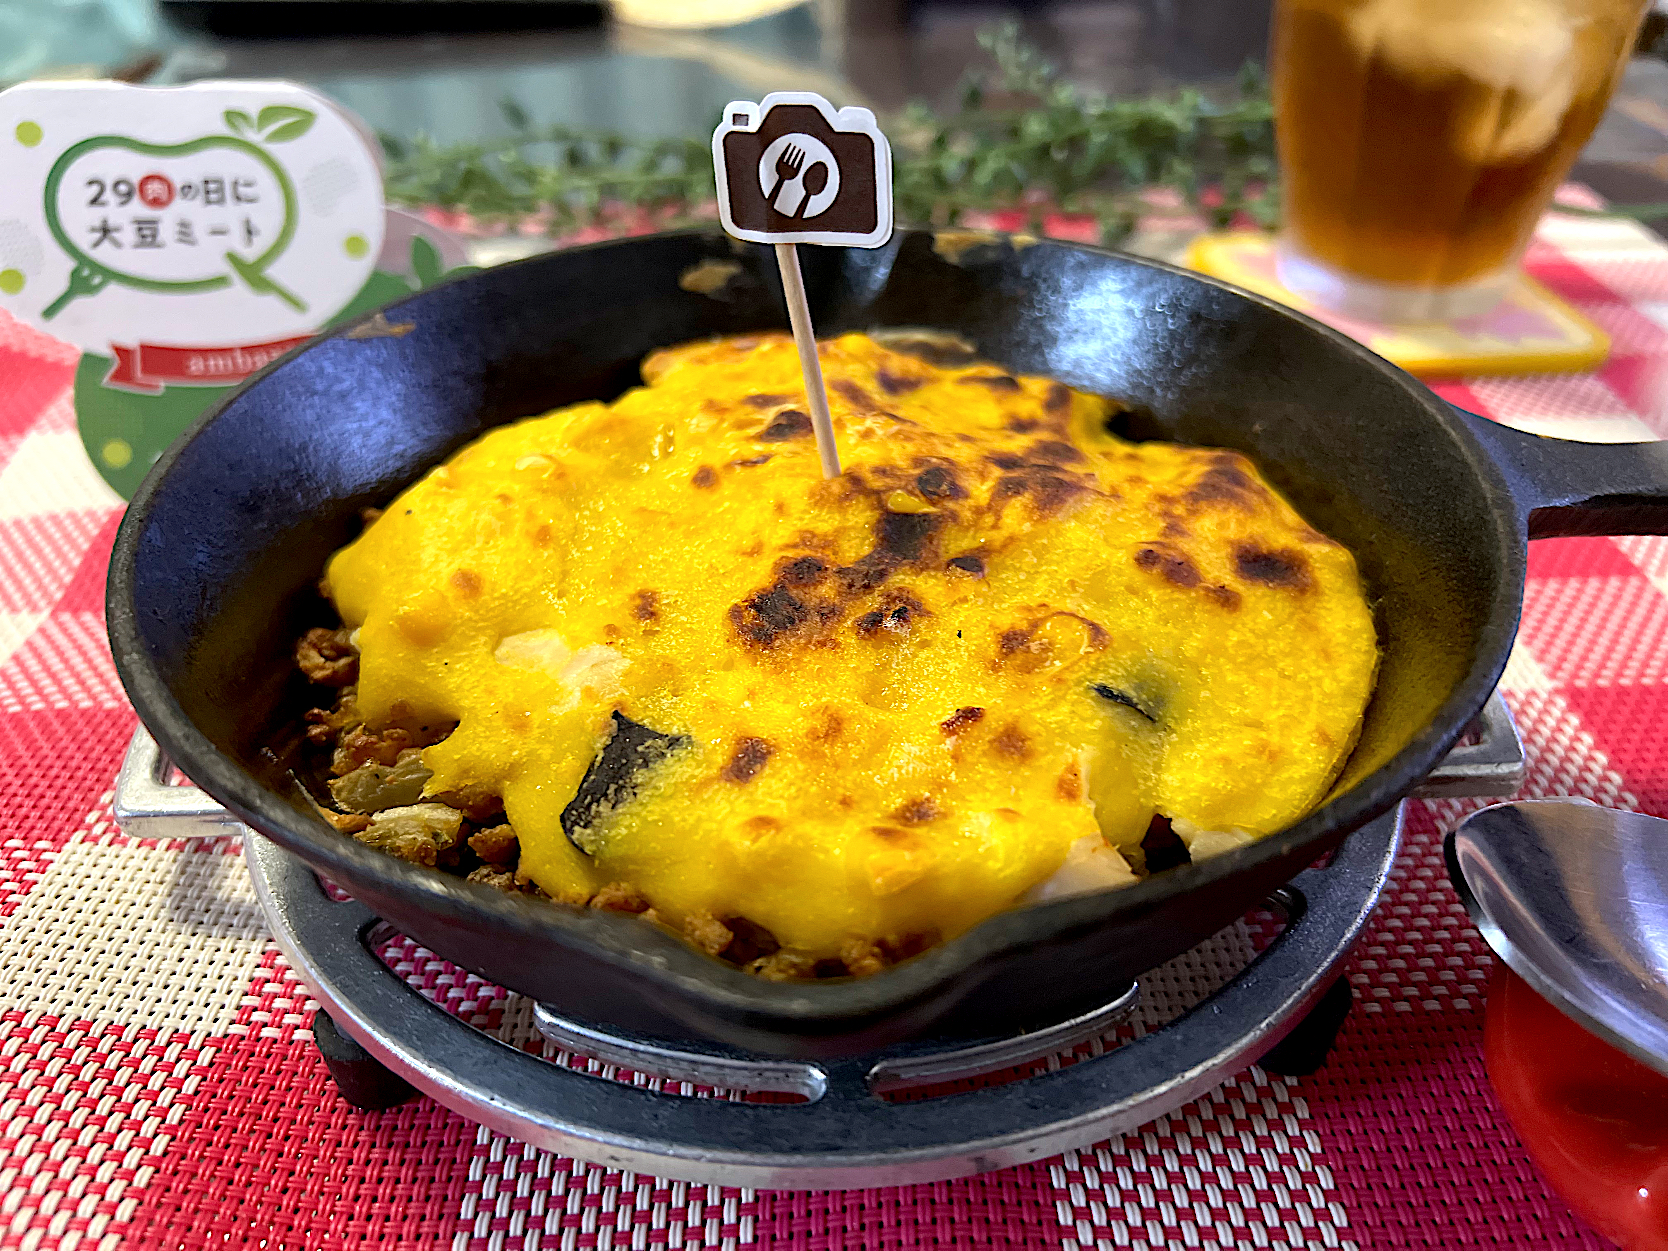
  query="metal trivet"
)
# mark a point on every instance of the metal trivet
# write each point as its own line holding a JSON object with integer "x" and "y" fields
{"x": 1283, "y": 1007}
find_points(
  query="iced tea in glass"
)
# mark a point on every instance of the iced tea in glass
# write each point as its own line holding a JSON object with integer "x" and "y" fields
{"x": 1420, "y": 140}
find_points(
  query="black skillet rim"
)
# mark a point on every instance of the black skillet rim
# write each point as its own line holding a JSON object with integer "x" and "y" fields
{"x": 658, "y": 956}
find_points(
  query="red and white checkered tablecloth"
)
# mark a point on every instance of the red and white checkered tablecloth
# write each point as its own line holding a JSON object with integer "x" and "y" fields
{"x": 159, "y": 1088}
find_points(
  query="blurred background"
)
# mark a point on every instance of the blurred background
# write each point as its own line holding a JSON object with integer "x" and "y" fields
{"x": 647, "y": 68}
{"x": 642, "y": 65}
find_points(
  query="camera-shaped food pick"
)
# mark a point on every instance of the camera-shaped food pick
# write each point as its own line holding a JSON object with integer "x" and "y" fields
{"x": 792, "y": 169}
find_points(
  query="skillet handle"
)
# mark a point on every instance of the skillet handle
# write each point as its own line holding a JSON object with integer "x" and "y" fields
{"x": 1569, "y": 488}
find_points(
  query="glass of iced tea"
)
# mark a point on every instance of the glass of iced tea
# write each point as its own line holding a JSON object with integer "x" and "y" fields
{"x": 1420, "y": 140}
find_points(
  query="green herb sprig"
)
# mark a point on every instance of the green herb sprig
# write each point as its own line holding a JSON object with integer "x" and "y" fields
{"x": 1022, "y": 138}
{"x": 1026, "y": 138}
{"x": 570, "y": 179}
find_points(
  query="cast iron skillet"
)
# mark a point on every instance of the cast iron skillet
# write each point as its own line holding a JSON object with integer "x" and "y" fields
{"x": 214, "y": 568}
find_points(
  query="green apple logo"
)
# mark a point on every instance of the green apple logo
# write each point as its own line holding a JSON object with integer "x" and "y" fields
{"x": 277, "y": 123}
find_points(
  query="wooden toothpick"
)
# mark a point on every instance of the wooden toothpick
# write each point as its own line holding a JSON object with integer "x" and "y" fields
{"x": 794, "y": 169}
{"x": 805, "y": 339}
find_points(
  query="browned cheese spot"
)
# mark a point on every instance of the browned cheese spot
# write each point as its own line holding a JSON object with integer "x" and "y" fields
{"x": 891, "y": 835}
{"x": 996, "y": 382}
{"x": 895, "y": 384}
{"x": 769, "y": 615}
{"x": 1284, "y": 568}
{"x": 1226, "y": 482}
{"x": 468, "y": 583}
{"x": 1011, "y": 741}
{"x": 801, "y": 571}
{"x": 1069, "y": 785}
{"x": 1049, "y": 491}
{"x": 895, "y": 615}
{"x": 645, "y": 605}
{"x": 828, "y": 726}
{"x": 900, "y": 538}
{"x": 960, "y": 719}
{"x": 1098, "y": 637}
{"x": 1173, "y": 566}
{"x": 940, "y": 483}
{"x": 1005, "y": 460}
{"x": 541, "y": 536}
{"x": 1013, "y": 641}
{"x": 766, "y": 401}
{"x": 1023, "y": 425}
{"x": 865, "y": 574}
{"x": 751, "y": 462}
{"x": 918, "y": 811}
{"x": 790, "y": 423}
{"x": 1224, "y": 596}
{"x": 1056, "y": 451}
{"x": 706, "y": 477}
{"x": 854, "y": 395}
{"x": 1058, "y": 399}
{"x": 974, "y": 565}
{"x": 749, "y": 757}
{"x": 1174, "y": 529}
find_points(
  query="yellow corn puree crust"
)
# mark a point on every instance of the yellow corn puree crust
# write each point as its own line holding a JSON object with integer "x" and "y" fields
{"x": 965, "y": 673}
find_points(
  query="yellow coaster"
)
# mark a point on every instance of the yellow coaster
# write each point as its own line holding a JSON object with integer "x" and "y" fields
{"x": 1531, "y": 331}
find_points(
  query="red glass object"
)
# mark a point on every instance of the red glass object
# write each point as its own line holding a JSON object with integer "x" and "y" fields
{"x": 1594, "y": 1119}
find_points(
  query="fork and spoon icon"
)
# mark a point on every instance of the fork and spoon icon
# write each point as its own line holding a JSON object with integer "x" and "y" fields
{"x": 801, "y": 177}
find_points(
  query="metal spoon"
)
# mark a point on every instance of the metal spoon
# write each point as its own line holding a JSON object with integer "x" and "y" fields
{"x": 1574, "y": 898}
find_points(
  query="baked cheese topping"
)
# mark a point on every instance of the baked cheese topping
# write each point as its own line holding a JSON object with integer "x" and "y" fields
{"x": 871, "y": 710}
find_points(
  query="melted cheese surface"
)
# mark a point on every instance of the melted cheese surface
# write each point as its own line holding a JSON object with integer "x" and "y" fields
{"x": 908, "y": 694}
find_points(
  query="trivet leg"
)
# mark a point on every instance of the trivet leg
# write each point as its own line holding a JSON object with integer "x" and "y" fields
{"x": 1305, "y": 1049}
{"x": 360, "y": 1077}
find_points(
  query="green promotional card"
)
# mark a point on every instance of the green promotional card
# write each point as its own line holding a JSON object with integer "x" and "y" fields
{"x": 184, "y": 237}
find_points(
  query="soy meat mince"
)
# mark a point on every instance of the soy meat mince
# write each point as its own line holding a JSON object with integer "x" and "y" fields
{"x": 818, "y": 725}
